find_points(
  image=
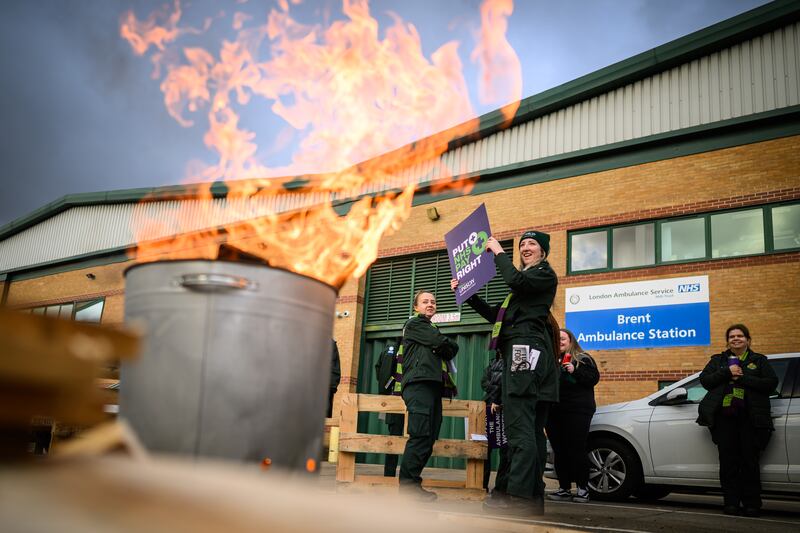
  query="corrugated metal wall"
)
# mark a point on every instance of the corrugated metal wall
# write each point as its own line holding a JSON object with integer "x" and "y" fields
{"x": 757, "y": 75}
{"x": 86, "y": 229}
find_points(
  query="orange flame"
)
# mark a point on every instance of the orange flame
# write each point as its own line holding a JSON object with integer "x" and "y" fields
{"x": 362, "y": 103}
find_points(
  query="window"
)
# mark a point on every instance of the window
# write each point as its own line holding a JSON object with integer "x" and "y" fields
{"x": 683, "y": 240}
{"x": 737, "y": 233}
{"x": 780, "y": 367}
{"x": 742, "y": 232}
{"x": 786, "y": 227}
{"x": 695, "y": 391}
{"x": 634, "y": 246}
{"x": 89, "y": 311}
{"x": 589, "y": 251}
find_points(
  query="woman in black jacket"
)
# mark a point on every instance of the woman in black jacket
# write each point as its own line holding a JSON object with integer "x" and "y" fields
{"x": 522, "y": 335}
{"x": 426, "y": 379}
{"x": 569, "y": 420}
{"x": 737, "y": 411}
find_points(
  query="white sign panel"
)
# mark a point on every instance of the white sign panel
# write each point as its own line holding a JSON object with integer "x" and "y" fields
{"x": 641, "y": 314}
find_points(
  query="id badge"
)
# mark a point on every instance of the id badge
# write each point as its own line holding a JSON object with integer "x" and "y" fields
{"x": 519, "y": 357}
{"x": 523, "y": 357}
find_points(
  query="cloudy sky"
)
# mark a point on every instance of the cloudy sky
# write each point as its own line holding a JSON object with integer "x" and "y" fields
{"x": 81, "y": 113}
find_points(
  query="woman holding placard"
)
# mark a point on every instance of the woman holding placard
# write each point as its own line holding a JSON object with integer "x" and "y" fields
{"x": 530, "y": 377}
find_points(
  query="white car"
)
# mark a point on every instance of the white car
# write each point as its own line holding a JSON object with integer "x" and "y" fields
{"x": 650, "y": 446}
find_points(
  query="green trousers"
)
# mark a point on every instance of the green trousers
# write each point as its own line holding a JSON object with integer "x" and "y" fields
{"x": 525, "y": 419}
{"x": 424, "y": 405}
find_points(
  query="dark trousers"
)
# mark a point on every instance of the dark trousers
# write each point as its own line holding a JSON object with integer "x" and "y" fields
{"x": 568, "y": 433}
{"x": 525, "y": 419}
{"x": 424, "y": 405}
{"x": 501, "y": 479}
{"x": 395, "y": 421}
{"x": 739, "y": 444}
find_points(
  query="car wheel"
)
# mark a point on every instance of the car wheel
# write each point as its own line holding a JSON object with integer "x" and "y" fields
{"x": 651, "y": 493}
{"x": 614, "y": 469}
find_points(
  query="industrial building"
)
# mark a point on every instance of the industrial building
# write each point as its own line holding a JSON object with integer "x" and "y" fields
{"x": 679, "y": 162}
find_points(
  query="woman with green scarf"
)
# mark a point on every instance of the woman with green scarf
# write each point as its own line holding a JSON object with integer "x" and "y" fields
{"x": 523, "y": 336}
{"x": 737, "y": 411}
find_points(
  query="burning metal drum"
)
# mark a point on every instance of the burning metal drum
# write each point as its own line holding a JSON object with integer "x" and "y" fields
{"x": 236, "y": 361}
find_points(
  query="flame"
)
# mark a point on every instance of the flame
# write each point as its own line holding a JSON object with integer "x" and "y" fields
{"x": 373, "y": 117}
{"x": 501, "y": 72}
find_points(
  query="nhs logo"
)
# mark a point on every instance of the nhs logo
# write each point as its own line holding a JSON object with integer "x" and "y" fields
{"x": 689, "y": 287}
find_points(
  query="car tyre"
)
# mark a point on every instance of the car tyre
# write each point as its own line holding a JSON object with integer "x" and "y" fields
{"x": 651, "y": 493}
{"x": 614, "y": 469}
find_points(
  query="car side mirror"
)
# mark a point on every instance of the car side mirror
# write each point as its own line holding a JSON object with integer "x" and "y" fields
{"x": 676, "y": 396}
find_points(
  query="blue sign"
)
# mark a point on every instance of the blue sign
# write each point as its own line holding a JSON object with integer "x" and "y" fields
{"x": 646, "y": 314}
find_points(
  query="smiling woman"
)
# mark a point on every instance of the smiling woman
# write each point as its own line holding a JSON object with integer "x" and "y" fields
{"x": 737, "y": 411}
{"x": 424, "y": 363}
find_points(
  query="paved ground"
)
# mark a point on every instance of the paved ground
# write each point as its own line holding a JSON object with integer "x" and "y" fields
{"x": 676, "y": 512}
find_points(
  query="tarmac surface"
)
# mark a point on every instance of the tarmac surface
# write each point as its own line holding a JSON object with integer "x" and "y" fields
{"x": 676, "y": 512}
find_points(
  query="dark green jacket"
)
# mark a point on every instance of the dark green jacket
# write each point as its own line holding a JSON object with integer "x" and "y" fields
{"x": 758, "y": 381}
{"x": 424, "y": 349}
{"x": 525, "y": 322}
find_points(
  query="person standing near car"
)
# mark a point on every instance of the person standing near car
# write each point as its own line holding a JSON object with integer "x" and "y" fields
{"x": 737, "y": 411}
{"x": 426, "y": 379}
{"x": 569, "y": 419}
{"x": 530, "y": 376}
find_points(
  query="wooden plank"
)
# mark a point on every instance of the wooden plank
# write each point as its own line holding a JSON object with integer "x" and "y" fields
{"x": 373, "y": 403}
{"x": 346, "y": 467}
{"x": 363, "y": 442}
{"x": 427, "y": 482}
{"x": 102, "y": 439}
{"x": 477, "y": 425}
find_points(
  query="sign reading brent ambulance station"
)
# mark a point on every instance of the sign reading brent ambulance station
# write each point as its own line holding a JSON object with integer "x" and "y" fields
{"x": 642, "y": 314}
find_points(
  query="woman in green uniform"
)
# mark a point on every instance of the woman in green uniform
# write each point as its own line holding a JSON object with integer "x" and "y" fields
{"x": 737, "y": 411}
{"x": 425, "y": 381}
{"x": 530, "y": 377}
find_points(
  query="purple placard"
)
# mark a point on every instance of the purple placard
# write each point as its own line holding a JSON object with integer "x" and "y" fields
{"x": 495, "y": 429}
{"x": 470, "y": 263}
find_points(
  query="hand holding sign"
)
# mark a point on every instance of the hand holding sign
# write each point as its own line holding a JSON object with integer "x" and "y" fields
{"x": 493, "y": 246}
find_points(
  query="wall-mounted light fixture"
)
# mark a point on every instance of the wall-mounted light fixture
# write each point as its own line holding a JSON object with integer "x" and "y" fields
{"x": 433, "y": 213}
{"x": 342, "y": 314}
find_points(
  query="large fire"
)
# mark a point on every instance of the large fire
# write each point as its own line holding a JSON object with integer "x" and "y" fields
{"x": 373, "y": 113}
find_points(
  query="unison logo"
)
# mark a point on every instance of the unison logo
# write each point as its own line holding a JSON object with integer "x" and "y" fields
{"x": 689, "y": 287}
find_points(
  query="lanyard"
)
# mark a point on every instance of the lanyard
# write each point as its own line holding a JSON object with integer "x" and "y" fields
{"x": 498, "y": 323}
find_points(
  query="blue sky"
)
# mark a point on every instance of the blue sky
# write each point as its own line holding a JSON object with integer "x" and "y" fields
{"x": 80, "y": 112}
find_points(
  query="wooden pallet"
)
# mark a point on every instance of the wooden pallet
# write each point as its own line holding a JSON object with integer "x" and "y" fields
{"x": 351, "y": 442}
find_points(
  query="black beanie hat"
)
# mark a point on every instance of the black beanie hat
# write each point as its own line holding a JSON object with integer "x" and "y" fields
{"x": 539, "y": 236}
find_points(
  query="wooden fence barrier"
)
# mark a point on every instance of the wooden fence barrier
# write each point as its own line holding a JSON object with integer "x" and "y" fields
{"x": 352, "y": 442}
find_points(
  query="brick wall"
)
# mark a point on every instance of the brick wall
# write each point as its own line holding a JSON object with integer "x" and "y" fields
{"x": 761, "y": 291}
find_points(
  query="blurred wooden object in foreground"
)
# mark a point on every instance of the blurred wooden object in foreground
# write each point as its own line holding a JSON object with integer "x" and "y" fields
{"x": 113, "y": 493}
{"x": 48, "y": 368}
